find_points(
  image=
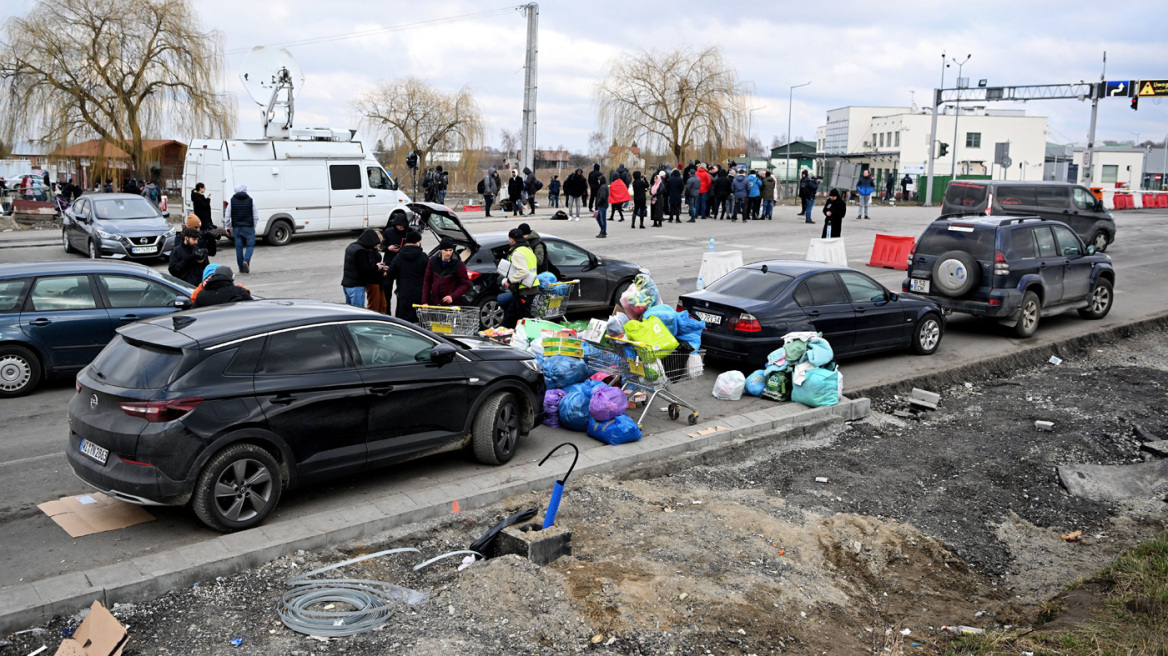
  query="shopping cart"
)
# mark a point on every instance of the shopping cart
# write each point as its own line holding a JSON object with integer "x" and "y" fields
{"x": 449, "y": 320}
{"x": 642, "y": 368}
{"x": 551, "y": 301}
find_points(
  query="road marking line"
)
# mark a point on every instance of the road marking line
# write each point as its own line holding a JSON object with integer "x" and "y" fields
{"x": 31, "y": 459}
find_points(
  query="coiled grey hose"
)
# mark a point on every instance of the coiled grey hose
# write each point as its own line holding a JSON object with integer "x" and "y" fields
{"x": 372, "y": 601}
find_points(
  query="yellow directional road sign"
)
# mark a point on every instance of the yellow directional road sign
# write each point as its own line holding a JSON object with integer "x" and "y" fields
{"x": 1153, "y": 88}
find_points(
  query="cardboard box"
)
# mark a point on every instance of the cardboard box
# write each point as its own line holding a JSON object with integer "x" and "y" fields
{"x": 99, "y": 635}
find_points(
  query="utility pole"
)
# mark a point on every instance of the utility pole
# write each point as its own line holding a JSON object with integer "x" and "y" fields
{"x": 1089, "y": 158}
{"x": 530, "y": 81}
{"x": 932, "y": 148}
{"x": 957, "y": 115}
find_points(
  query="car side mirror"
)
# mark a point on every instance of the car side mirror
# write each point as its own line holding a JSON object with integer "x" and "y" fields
{"x": 1090, "y": 249}
{"x": 182, "y": 302}
{"x": 593, "y": 261}
{"x": 166, "y": 214}
{"x": 442, "y": 354}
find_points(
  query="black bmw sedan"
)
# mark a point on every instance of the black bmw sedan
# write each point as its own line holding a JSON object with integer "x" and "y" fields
{"x": 225, "y": 407}
{"x": 748, "y": 311}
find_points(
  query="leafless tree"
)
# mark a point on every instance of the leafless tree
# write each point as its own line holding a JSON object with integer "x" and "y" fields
{"x": 509, "y": 141}
{"x": 117, "y": 70}
{"x": 681, "y": 102}
{"x": 418, "y": 117}
{"x": 754, "y": 148}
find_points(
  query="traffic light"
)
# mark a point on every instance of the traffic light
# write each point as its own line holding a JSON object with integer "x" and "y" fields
{"x": 1135, "y": 103}
{"x": 412, "y": 160}
{"x": 944, "y": 150}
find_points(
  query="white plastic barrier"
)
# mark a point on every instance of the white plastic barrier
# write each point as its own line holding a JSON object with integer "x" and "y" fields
{"x": 717, "y": 264}
{"x": 829, "y": 250}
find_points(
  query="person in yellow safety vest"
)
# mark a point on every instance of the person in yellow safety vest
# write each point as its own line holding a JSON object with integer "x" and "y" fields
{"x": 520, "y": 278}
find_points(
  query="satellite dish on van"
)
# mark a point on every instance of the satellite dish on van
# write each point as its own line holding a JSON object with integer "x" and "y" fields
{"x": 272, "y": 78}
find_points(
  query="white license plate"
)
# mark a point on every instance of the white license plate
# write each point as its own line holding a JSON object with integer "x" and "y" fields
{"x": 141, "y": 250}
{"x": 711, "y": 319}
{"x": 918, "y": 285}
{"x": 94, "y": 451}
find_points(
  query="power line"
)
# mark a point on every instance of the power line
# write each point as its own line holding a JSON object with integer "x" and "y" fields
{"x": 382, "y": 30}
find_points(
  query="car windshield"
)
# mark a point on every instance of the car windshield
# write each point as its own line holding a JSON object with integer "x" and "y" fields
{"x": 942, "y": 237}
{"x": 125, "y": 208}
{"x": 753, "y": 284}
{"x": 135, "y": 366}
{"x": 965, "y": 194}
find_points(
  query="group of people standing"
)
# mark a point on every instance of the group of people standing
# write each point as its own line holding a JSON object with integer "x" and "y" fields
{"x": 378, "y": 260}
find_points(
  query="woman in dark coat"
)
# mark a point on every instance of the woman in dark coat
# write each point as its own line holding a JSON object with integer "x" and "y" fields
{"x": 833, "y": 214}
{"x": 660, "y": 196}
{"x": 676, "y": 188}
{"x": 446, "y": 277}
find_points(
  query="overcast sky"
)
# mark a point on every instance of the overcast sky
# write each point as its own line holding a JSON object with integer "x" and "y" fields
{"x": 853, "y": 53}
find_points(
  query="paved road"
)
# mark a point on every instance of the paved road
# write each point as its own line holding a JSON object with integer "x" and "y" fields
{"x": 33, "y": 469}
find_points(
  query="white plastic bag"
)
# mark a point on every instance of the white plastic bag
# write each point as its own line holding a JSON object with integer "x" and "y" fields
{"x": 729, "y": 386}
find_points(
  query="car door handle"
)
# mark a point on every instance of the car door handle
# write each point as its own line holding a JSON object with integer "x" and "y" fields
{"x": 359, "y": 196}
{"x": 381, "y": 390}
{"x": 39, "y": 322}
{"x": 813, "y": 313}
{"x": 861, "y": 309}
{"x": 128, "y": 317}
{"x": 373, "y": 195}
{"x": 283, "y": 399}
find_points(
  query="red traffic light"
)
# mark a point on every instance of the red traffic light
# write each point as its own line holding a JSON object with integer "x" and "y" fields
{"x": 1135, "y": 103}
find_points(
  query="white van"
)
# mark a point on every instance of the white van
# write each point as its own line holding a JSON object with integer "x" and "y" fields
{"x": 319, "y": 180}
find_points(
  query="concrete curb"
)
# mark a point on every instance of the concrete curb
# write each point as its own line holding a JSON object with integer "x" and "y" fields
{"x": 34, "y": 242}
{"x": 147, "y": 577}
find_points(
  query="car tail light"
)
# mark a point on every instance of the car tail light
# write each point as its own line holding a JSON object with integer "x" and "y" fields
{"x": 989, "y": 204}
{"x": 134, "y": 462}
{"x": 160, "y": 410}
{"x": 1001, "y": 266}
{"x": 473, "y": 275}
{"x": 680, "y": 307}
{"x": 77, "y": 384}
{"x": 995, "y": 301}
{"x": 911, "y": 251}
{"x": 744, "y": 323}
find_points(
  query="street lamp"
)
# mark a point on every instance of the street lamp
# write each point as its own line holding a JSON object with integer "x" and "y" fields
{"x": 790, "y": 99}
{"x": 749, "y": 128}
{"x": 956, "y": 115}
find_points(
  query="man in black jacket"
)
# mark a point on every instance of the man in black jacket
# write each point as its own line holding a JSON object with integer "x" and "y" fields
{"x": 188, "y": 259}
{"x": 362, "y": 272}
{"x": 218, "y": 288}
{"x": 393, "y": 238}
{"x": 240, "y": 220}
{"x": 593, "y": 185}
{"x": 408, "y": 269}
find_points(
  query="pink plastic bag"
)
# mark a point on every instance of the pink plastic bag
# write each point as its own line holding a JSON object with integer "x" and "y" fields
{"x": 607, "y": 404}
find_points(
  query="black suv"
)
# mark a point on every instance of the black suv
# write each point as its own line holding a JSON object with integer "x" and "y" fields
{"x": 227, "y": 406}
{"x": 1015, "y": 269}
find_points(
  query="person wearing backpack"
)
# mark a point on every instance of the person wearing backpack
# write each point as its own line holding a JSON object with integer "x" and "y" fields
{"x": 152, "y": 192}
{"x": 554, "y": 192}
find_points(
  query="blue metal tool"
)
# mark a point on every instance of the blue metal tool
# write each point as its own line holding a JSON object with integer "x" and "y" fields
{"x": 558, "y": 490}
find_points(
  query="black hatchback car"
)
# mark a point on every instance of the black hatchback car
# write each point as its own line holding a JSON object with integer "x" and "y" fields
{"x": 1014, "y": 269}
{"x": 748, "y": 311}
{"x": 602, "y": 279}
{"x": 227, "y": 406}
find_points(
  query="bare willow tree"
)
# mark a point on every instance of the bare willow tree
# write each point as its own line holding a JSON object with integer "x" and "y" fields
{"x": 418, "y": 117}
{"x": 680, "y": 102}
{"x": 117, "y": 70}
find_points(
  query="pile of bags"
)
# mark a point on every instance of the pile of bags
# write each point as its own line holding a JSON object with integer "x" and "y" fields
{"x": 642, "y": 317}
{"x": 592, "y": 406}
{"x": 803, "y": 371}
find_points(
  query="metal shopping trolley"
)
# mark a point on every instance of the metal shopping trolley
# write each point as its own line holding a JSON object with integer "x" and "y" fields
{"x": 449, "y": 320}
{"x": 642, "y": 368}
{"x": 551, "y": 301}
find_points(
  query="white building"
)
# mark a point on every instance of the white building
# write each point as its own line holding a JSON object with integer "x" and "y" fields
{"x": 893, "y": 141}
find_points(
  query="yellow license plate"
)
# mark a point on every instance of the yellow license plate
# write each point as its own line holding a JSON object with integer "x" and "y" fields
{"x": 555, "y": 302}
{"x": 444, "y": 328}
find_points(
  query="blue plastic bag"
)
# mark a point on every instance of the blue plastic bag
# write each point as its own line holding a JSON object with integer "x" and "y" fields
{"x": 689, "y": 330}
{"x": 756, "y": 382}
{"x": 546, "y": 278}
{"x": 820, "y": 388}
{"x": 561, "y": 371}
{"x": 819, "y": 351}
{"x": 618, "y": 431}
{"x": 666, "y": 314}
{"x": 574, "y": 409}
{"x": 607, "y": 403}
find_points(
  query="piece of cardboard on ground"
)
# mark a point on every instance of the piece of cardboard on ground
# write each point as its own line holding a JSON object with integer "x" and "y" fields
{"x": 100, "y": 634}
{"x": 93, "y": 513}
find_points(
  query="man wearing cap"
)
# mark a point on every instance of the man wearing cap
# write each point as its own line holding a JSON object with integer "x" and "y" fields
{"x": 535, "y": 243}
{"x": 446, "y": 277}
{"x": 188, "y": 259}
{"x": 520, "y": 279}
{"x": 240, "y": 220}
{"x": 361, "y": 274}
{"x": 218, "y": 288}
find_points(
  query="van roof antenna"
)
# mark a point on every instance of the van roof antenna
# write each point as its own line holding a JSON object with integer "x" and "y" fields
{"x": 272, "y": 78}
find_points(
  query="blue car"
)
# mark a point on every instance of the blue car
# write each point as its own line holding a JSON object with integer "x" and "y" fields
{"x": 56, "y": 316}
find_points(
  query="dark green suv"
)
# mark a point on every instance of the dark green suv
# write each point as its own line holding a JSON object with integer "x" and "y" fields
{"x": 1014, "y": 269}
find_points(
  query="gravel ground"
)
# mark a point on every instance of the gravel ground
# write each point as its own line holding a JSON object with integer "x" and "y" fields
{"x": 945, "y": 517}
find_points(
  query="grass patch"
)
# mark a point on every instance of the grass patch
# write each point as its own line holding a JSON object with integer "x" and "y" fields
{"x": 1127, "y": 614}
